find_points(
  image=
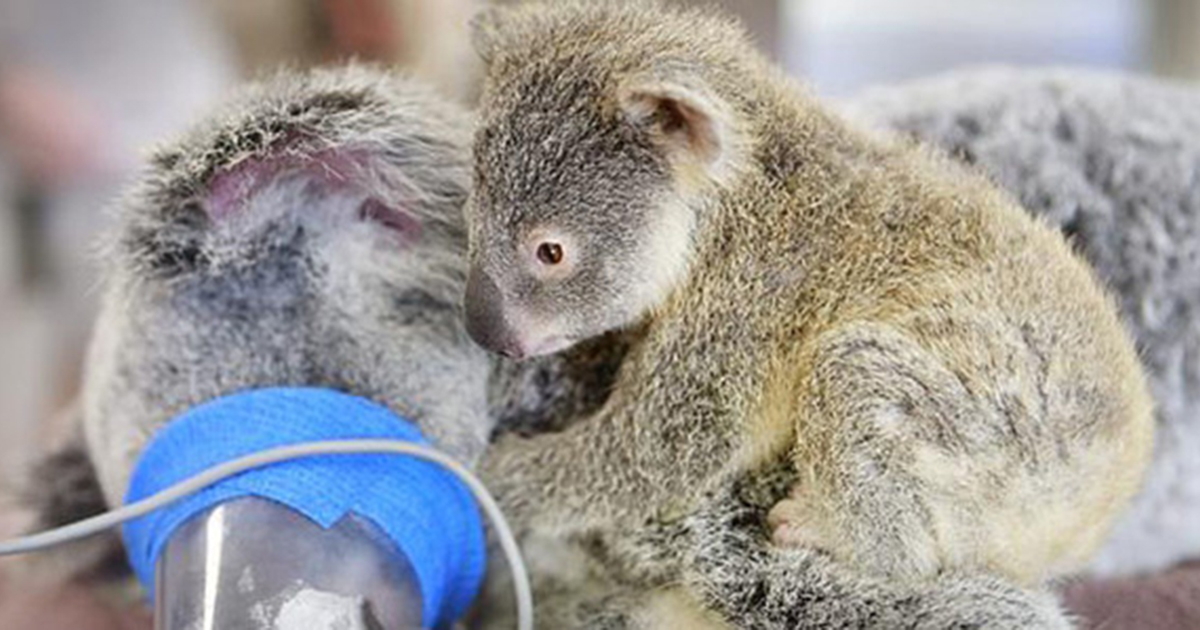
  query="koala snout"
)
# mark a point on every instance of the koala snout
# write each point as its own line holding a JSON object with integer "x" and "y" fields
{"x": 486, "y": 323}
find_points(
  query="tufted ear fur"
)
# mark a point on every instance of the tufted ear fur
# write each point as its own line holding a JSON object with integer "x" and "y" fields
{"x": 371, "y": 187}
{"x": 694, "y": 127}
{"x": 312, "y": 153}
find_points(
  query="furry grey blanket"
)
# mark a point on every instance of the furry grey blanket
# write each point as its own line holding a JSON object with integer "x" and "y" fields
{"x": 1114, "y": 161}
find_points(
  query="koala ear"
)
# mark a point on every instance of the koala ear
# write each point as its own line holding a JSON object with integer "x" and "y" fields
{"x": 487, "y": 32}
{"x": 359, "y": 175}
{"x": 694, "y": 127}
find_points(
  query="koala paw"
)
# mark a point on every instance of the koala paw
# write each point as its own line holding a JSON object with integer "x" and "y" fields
{"x": 791, "y": 526}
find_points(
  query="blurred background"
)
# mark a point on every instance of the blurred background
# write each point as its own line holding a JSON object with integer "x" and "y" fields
{"x": 86, "y": 86}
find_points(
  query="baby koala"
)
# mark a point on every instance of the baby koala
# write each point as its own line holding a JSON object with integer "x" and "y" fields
{"x": 953, "y": 388}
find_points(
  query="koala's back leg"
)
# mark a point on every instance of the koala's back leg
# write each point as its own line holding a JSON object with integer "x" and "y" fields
{"x": 912, "y": 460}
{"x": 735, "y": 572}
{"x": 857, "y": 496}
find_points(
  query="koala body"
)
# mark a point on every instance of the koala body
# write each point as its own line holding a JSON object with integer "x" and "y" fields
{"x": 951, "y": 386}
{"x": 1107, "y": 158}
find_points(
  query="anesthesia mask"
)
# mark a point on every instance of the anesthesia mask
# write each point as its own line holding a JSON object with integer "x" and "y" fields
{"x": 301, "y": 509}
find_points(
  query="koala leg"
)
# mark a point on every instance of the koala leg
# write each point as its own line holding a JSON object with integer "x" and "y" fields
{"x": 857, "y": 497}
{"x": 734, "y": 571}
{"x": 731, "y": 576}
{"x": 921, "y": 453}
{"x": 577, "y": 583}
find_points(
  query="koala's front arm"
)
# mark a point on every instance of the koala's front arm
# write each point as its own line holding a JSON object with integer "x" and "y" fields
{"x": 587, "y": 476}
{"x": 686, "y": 409}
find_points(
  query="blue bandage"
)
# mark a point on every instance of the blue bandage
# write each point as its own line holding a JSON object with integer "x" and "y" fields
{"x": 427, "y": 512}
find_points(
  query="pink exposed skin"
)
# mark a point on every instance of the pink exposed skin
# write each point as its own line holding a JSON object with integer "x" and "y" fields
{"x": 332, "y": 170}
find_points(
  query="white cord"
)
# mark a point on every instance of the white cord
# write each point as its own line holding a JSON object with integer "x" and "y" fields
{"x": 108, "y": 520}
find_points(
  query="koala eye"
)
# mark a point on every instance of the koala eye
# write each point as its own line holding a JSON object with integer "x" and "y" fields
{"x": 550, "y": 253}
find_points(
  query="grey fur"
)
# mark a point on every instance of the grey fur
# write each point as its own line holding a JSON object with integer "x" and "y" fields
{"x": 286, "y": 278}
{"x": 1114, "y": 161}
{"x": 549, "y": 393}
{"x": 586, "y": 582}
{"x": 758, "y": 586}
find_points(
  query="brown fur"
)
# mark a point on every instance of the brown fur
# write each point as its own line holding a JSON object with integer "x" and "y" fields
{"x": 953, "y": 385}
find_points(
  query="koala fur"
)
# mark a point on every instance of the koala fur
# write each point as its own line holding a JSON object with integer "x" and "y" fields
{"x": 1103, "y": 157}
{"x": 952, "y": 386}
{"x": 759, "y": 586}
{"x": 1109, "y": 159}
{"x": 304, "y": 235}
{"x": 280, "y": 255}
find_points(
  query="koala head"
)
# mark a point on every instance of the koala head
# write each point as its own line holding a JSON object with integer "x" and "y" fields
{"x": 307, "y": 233}
{"x": 599, "y": 134}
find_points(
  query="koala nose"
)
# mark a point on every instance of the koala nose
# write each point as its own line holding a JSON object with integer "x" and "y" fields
{"x": 486, "y": 323}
